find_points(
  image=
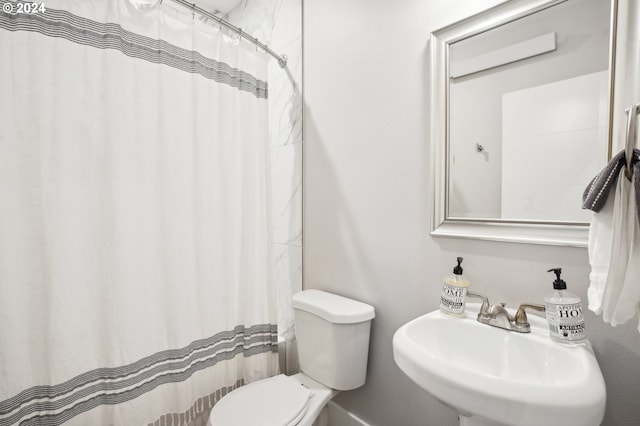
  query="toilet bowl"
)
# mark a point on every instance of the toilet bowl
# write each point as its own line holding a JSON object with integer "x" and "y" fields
{"x": 333, "y": 344}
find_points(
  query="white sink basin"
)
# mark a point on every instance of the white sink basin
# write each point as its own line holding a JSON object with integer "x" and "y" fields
{"x": 503, "y": 376}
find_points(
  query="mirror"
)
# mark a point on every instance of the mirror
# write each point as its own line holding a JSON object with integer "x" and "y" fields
{"x": 521, "y": 100}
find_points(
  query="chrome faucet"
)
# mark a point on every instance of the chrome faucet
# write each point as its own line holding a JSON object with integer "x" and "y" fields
{"x": 498, "y": 316}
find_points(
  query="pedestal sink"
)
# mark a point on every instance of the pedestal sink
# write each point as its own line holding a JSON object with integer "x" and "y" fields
{"x": 492, "y": 376}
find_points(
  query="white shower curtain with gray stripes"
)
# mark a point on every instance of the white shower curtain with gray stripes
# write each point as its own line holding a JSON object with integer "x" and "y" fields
{"x": 135, "y": 232}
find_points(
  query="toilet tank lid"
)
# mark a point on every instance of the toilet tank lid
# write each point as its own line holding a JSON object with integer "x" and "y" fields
{"x": 333, "y": 308}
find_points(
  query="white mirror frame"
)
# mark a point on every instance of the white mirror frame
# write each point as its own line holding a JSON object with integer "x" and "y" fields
{"x": 572, "y": 234}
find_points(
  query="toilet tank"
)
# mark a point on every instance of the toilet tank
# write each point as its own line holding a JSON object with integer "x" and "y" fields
{"x": 333, "y": 338}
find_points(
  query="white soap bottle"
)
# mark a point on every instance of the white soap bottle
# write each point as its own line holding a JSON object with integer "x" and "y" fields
{"x": 564, "y": 313}
{"x": 454, "y": 292}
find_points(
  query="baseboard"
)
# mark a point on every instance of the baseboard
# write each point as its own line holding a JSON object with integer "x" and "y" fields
{"x": 338, "y": 416}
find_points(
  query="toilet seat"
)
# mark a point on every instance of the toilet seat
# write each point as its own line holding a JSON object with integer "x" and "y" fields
{"x": 276, "y": 401}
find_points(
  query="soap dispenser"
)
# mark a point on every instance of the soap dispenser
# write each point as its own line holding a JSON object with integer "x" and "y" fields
{"x": 454, "y": 292}
{"x": 564, "y": 313}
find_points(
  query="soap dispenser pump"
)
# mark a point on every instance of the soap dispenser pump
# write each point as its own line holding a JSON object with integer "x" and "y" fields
{"x": 454, "y": 292}
{"x": 564, "y": 313}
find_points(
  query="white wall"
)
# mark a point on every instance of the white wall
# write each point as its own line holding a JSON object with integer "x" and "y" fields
{"x": 561, "y": 130}
{"x": 366, "y": 203}
{"x": 628, "y": 67}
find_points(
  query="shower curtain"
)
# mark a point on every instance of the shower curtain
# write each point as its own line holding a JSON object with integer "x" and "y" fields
{"x": 135, "y": 230}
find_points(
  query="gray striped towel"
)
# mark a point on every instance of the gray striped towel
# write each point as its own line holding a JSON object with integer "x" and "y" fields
{"x": 595, "y": 195}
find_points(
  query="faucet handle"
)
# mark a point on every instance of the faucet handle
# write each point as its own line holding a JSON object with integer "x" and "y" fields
{"x": 484, "y": 308}
{"x": 521, "y": 320}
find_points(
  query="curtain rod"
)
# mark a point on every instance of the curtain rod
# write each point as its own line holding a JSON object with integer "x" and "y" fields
{"x": 282, "y": 59}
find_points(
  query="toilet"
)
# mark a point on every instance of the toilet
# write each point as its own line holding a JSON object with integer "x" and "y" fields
{"x": 333, "y": 344}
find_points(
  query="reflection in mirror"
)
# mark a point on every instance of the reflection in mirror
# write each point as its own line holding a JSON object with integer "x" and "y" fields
{"x": 528, "y": 115}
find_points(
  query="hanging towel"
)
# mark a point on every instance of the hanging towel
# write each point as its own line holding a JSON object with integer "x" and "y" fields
{"x": 600, "y": 240}
{"x": 621, "y": 296}
{"x": 614, "y": 241}
{"x": 597, "y": 192}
